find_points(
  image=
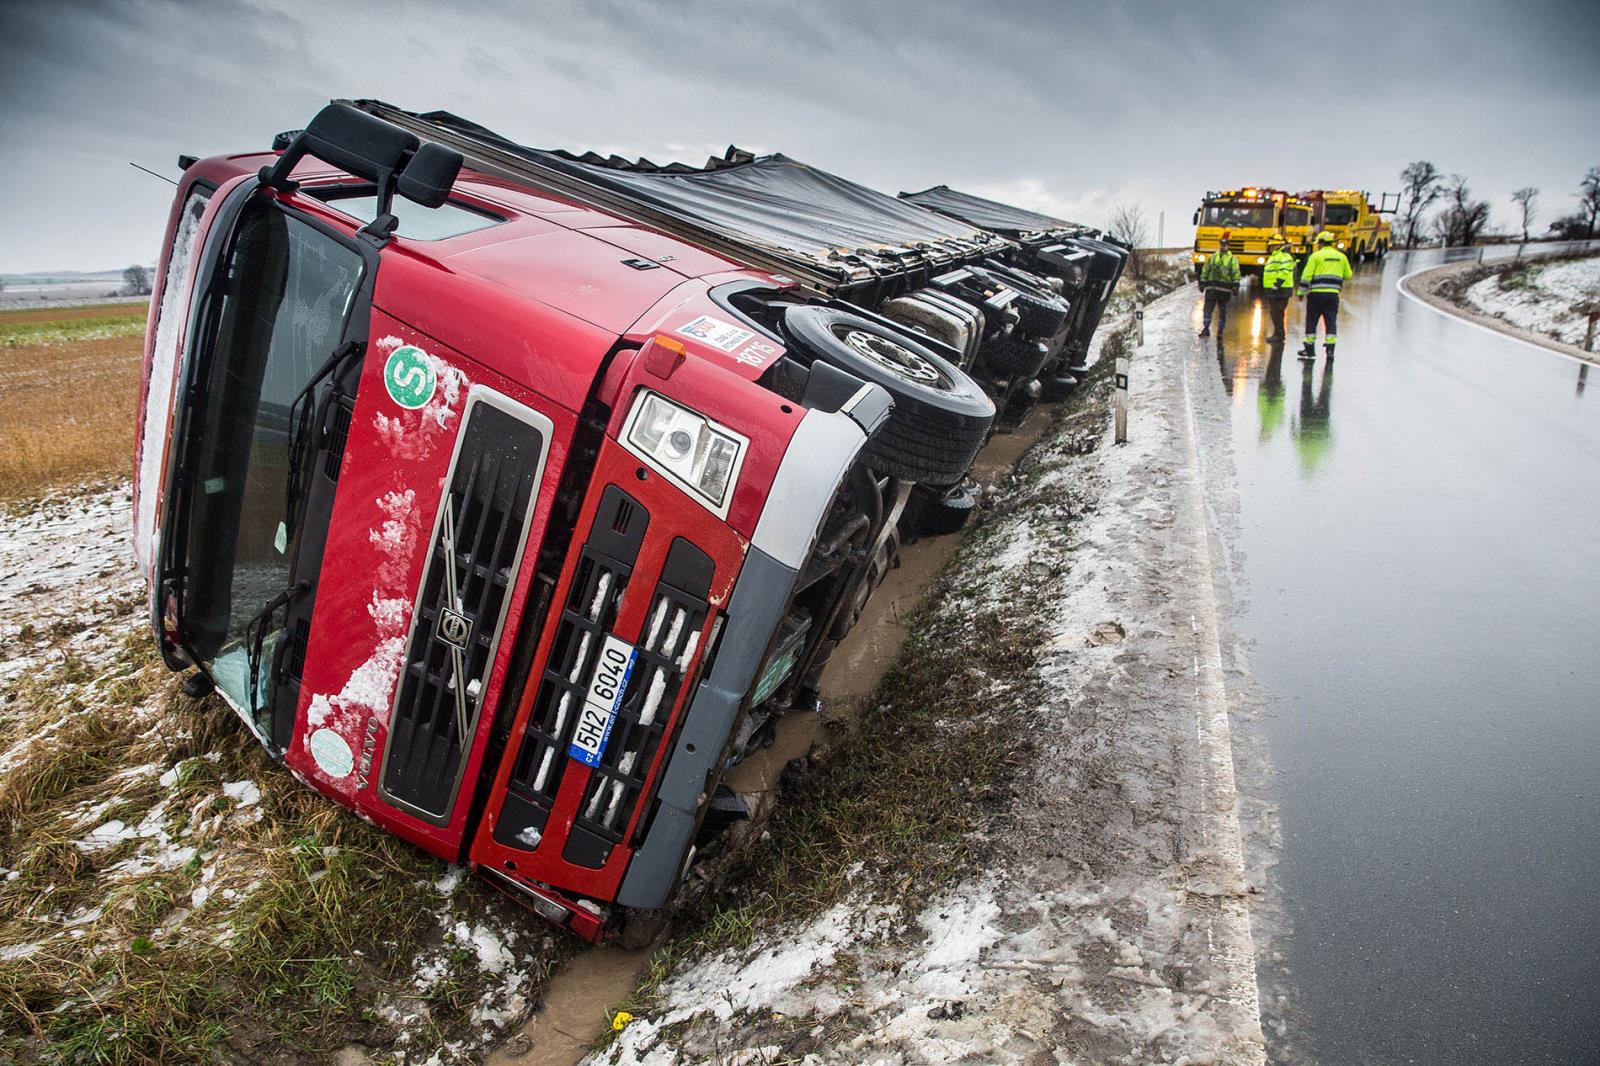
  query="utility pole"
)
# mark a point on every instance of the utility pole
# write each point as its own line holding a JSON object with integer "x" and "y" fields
{"x": 1161, "y": 229}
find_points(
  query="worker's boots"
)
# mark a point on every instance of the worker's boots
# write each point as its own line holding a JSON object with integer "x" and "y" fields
{"x": 1308, "y": 351}
{"x": 1328, "y": 351}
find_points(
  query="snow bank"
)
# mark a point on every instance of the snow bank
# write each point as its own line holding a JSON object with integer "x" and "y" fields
{"x": 1542, "y": 298}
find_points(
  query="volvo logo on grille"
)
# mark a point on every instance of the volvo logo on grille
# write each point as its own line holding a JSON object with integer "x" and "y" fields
{"x": 454, "y": 628}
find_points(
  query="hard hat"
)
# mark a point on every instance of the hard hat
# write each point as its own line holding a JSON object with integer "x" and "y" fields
{"x": 1324, "y": 237}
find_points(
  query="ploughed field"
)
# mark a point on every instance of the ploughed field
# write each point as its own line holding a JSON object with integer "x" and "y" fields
{"x": 72, "y": 378}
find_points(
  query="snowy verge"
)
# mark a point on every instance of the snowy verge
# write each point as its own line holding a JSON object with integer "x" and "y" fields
{"x": 1551, "y": 299}
{"x": 1112, "y": 925}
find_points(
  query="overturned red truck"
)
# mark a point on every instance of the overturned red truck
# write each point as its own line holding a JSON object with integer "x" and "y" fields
{"x": 502, "y": 516}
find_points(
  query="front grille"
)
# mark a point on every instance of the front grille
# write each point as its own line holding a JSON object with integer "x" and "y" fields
{"x": 1235, "y": 245}
{"x": 476, "y": 550}
{"x": 604, "y": 565}
{"x": 666, "y": 648}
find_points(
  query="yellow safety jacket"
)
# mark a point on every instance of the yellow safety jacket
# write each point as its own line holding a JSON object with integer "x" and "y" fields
{"x": 1221, "y": 271}
{"x": 1278, "y": 272}
{"x": 1325, "y": 270}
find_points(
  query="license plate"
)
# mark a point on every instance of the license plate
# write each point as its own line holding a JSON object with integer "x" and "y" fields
{"x": 607, "y": 685}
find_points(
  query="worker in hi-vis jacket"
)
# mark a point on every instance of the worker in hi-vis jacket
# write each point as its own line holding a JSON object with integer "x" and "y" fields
{"x": 1277, "y": 282}
{"x": 1219, "y": 280}
{"x": 1321, "y": 281}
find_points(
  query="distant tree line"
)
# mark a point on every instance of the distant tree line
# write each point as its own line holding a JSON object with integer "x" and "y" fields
{"x": 1457, "y": 219}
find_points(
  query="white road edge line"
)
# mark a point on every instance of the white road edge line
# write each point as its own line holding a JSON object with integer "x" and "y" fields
{"x": 1405, "y": 290}
{"x": 1215, "y": 738}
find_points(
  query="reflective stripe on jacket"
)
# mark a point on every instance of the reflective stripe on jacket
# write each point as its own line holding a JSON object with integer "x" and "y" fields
{"x": 1279, "y": 271}
{"x": 1221, "y": 270}
{"x": 1325, "y": 270}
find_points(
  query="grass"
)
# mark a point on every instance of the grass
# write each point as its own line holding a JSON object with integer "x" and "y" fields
{"x": 72, "y": 383}
{"x": 279, "y": 930}
{"x": 67, "y": 325}
{"x": 307, "y": 920}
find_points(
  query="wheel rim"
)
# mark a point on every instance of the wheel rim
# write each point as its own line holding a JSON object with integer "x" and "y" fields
{"x": 894, "y": 357}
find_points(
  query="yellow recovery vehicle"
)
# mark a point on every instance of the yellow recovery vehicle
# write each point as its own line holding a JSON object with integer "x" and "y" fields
{"x": 1359, "y": 229}
{"x": 1251, "y": 215}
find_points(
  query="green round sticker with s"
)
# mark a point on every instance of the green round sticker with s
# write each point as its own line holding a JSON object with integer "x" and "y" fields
{"x": 409, "y": 377}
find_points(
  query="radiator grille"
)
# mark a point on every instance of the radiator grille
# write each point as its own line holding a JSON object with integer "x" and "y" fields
{"x": 604, "y": 565}
{"x": 477, "y": 547}
{"x": 666, "y": 649}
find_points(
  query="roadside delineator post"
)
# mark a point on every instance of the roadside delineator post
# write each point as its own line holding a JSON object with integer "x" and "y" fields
{"x": 1588, "y": 340}
{"x": 1138, "y": 318}
{"x": 1122, "y": 398}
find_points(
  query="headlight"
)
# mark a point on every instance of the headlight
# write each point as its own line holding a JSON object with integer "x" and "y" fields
{"x": 689, "y": 448}
{"x": 1341, "y": 246}
{"x": 1198, "y": 258}
{"x": 1261, "y": 259}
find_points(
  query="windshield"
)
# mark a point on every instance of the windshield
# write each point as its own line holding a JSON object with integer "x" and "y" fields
{"x": 1297, "y": 216}
{"x": 1244, "y": 216}
{"x": 288, "y": 290}
{"x": 1339, "y": 215}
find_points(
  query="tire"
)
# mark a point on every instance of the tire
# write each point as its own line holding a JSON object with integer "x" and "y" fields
{"x": 940, "y": 418}
{"x": 940, "y": 513}
{"x": 1042, "y": 311}
{"x": 1058, "y": 386}
{"x": 1014, "y": 357}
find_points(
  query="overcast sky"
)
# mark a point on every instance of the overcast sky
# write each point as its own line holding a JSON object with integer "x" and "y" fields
{"x": 1066, "y": 108}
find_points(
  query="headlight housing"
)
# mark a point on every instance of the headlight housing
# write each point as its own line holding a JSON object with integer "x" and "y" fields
{"x": 701, "y": 456}
{"x": 1341, "y": 246}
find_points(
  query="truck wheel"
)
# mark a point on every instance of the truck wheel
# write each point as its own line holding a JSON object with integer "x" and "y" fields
{"x": 1014, "y": 357}
{"x": 940, "y": 513}
{"x": 940, "y": 418}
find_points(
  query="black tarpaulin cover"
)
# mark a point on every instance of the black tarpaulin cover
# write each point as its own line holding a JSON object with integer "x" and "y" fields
{"x": 773, "y": 201}
{"x": 987, "y": 214}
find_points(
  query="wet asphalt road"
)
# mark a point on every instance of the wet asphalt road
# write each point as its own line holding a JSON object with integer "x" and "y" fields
{"x": 1417, "y": 553}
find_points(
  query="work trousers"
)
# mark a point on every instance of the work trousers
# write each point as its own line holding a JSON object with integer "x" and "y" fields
{"x": 1277, "y": 301}
{"x": 1323, "y": 307}
{"x": 1217, "y": 300}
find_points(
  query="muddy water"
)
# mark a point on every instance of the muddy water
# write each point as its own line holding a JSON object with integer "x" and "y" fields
{"x": 580, "y": 999}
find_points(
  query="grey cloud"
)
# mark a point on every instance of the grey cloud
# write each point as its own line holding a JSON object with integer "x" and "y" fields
{"x": 1068, "y": 106}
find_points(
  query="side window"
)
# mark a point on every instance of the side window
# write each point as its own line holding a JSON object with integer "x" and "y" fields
{"x": 289, "y": 291}
{"x": 158, "y": 390}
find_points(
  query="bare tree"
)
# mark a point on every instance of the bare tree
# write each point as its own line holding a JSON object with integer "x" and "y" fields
{"x": 1463, "y": 218}
{"x": 1589, "y": 201}
{"x": 1130, "y": 226}
{"x": 136, "y": 281}
{"x": 1527, "y": 198}
{"x": 1420, "y": 185}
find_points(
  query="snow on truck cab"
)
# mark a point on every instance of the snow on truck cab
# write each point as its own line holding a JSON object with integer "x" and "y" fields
{"x": 504, "y": 520}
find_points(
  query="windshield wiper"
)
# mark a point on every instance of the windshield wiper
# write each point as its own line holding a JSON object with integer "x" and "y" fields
{"x": 301, "y": 414}
{"x": 255, "y": 636}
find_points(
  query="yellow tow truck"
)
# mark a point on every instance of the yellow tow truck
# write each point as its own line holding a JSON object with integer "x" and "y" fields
{"x": 1250, "y": 215}
{"x": 1359, "y": 229}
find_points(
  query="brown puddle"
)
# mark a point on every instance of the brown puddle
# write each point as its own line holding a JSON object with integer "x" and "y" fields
{"x": 579, "y": 1000}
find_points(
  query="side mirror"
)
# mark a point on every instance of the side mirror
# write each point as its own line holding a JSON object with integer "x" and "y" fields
{"x": 1196, "y": 220}
{"x": 429, "y": 175}
{"x": 351, "y": 140}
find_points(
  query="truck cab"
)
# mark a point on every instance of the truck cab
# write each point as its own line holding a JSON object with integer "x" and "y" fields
{"x": 1358, "y": 226}
{"x": 1250, "y": 215}
{"x": 492, "y": 515}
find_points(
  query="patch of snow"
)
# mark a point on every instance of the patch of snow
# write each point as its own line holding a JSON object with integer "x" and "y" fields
{"x": 1545, "y": 304}
{"x": 244, "y": 793}
{"x": 163, "y": 358}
